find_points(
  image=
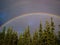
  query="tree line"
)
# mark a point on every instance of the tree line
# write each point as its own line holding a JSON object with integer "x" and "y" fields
{"x": 42, "y": 36}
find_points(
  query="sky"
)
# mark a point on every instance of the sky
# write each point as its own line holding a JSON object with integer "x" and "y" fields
{"x": 13, "y": 8}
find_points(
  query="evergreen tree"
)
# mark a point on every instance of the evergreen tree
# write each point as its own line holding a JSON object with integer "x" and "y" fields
{"x": 21, "y": 40}
{"x": 45, "y": 38}
{"x": 2, "y": 36}
{"x": 59, "y": 34}
{"x": 35, "y": 39}
{"x": 49, "y": 37}
{"x": 8, "y": 36}
{"x": 53, "y": 37}
{"x": 40, "y": 34}
{"x": 14, "y": 38}
{"x": 46, "y": 34}
{"x": 27, "y": 36}
{"x": 52, "y": 25}
{"x": 58, "y": 38}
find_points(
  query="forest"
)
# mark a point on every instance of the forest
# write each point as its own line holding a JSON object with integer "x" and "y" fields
{"x": 42, "y": 36}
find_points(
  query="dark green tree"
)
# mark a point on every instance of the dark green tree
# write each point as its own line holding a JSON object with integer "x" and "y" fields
{"x": 21, "y": 40}
{"x": 52, "y": 25}
{"x": 40, "y": 35}
{"x": 8, "y": 36}
{"x": 14, "y": 38}
{"x": 53, "y": 35}
{"x": 46, "y": 34}
{"x": 49, "y": 36}
{"x": 2, "y": 36}
{"x": 27, "y": 36}
{"x": 35, "y": 38}
{"x": 58, "y": 41}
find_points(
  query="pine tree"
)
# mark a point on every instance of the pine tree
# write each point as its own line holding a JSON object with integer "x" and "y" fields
{"x": 27, "y": 36}
{"x": 58, "y": 38}
{"x": 35, "y": 38}
{"x": 52, "y": 25}
{"x": 50, "y": 38}
{"x": 40, "y": 34}
{"x": 45, "y": 38}
{"x": 8, "y": 36}
{"x": 53, "y": 37}
{"x": 21, "y": 40}
{"x": 2, "y": 36}
{"x": 14, "y": 38}
{"x": 59, "y": 31}
{"x": 46, "y": 34}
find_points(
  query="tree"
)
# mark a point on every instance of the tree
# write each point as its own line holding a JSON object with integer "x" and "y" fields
{"x": 52, "y": 25}
{"x": 27, "y": 36}
{"x": 21, "y": 40}
{"x": 8, "y": 36}
{"x": 14, "y": 38}
{"x": 40, "y": 35}
{"x": 35, "y": 38}
{"x": 2, "y": 36}
{"x": 49, "y": 37}
{"x": 53, "y": 36}
{"x": 46, "y": 34}
{"x": 58, "y": 38}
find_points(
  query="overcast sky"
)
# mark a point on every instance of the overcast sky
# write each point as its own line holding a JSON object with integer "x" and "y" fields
{"x": 12, "y": 8}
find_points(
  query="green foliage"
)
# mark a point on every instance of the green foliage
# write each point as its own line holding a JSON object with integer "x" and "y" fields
{"x": 58, "y": 38}
{"x": 11, "y": 37}
{"x": 8, "y": 36}
{"x": 52, "y": 25}
{"x": 27, "y": 36}
{"x": 21, "y": 40}
{"x": 2, "y": 36}
{"x": 35, "y": 38}
{"x": 42, "y": 36}
{"x": 14, "y": 38}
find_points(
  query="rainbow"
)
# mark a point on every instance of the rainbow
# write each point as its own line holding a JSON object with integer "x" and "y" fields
{"x": 23, "y": 15}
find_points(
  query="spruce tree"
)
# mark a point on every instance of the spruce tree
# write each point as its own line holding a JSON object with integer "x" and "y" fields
{"x": 47, "y": 28}
{"x": 46, "y": 34}
{"x": 53, "y": 37}
{"x": 14, "y": 38}
{"x": 45, "y": 38}
{"x": 40, "y": 34}
{"x": 21, "y": 40}
{"x": 35, "y": 38}
{"x": 8, "y": 36}
{"x": 58, "y": 38}
{"x": 27, "y": 36}
{"x": 2, "y": 36}
{"x": 52, "y": 25}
